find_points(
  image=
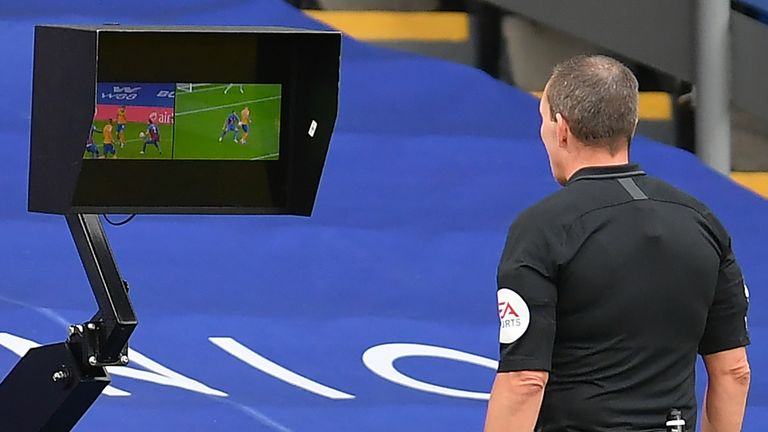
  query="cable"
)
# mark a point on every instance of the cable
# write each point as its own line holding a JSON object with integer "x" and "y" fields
{"x": 123, "y": 222}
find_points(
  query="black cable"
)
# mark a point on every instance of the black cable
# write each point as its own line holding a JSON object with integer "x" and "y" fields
{"x": 123, "y": 222}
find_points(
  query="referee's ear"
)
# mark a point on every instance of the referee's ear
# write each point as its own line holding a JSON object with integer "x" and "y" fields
{"x": 563, "y": 130}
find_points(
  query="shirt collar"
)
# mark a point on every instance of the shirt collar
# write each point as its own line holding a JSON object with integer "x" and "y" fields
{"x": 606, "y": 172}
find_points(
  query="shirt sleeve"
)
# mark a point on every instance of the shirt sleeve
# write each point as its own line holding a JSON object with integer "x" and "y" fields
{"x": 726, "y": 326}
{"x": 527, "y": 297}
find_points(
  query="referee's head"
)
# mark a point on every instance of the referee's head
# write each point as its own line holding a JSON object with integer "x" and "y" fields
{"x": 588, "y": 114}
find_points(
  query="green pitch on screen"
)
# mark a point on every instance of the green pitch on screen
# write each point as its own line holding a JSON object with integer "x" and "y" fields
{"x": 200, "y": 117}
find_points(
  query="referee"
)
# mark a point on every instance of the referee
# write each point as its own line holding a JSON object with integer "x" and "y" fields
{"x": 609, "y": 288}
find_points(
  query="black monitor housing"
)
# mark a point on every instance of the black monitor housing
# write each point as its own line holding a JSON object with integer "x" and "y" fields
{"x": 78, "y": 67}
{"x": 70, "y": 62}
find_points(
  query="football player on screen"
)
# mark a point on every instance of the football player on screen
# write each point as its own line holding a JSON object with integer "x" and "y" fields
{"x": 231, "y": 125}
{"x": 121, "y": 125}
{"x": 90, "y": 146}
{"x": 109, "y": 140}
{"x": 151, "y": 136}
{"x": 245, "y": 124}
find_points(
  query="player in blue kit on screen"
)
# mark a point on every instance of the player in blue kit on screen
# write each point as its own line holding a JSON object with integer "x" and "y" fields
{"x": 231, "y": 125}
{"x": 152, "y": 136}
{"x": 90, "y": 146}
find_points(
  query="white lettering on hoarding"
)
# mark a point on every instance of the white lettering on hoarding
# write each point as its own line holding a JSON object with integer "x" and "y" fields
{"x": 118, "y": 89}
{"x": 381, "y": 359}
{"x": 160, "y": 374}
{"x": 273, "y": 369}
{"x": 120, "y": 96}
{"x": 378, "y": 359}
{"x": 122, "y": 93}
{"x": 163, "y": 117}
{"x": 20, "y": 346}
{"x": 156, "y": 373}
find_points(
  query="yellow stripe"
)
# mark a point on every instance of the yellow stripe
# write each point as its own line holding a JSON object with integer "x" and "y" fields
{"x": 757, "y": 182}
{"x": 652, "y": 106}
{"x": 398, "y": 26}
{"x": 655, "y": 106}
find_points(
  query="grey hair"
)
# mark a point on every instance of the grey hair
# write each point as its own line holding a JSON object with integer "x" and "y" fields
{"x": 597, "y": 95}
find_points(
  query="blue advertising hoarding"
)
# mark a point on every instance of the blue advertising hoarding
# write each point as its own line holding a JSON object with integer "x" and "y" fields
{"x": 136, "y": 94}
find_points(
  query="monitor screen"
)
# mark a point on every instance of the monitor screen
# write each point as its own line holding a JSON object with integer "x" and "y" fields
{"x": 185, "y": 121}
{"x": 160, "y": 119}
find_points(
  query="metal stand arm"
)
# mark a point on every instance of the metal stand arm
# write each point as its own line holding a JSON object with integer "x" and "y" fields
{"x": 52, "y": 386}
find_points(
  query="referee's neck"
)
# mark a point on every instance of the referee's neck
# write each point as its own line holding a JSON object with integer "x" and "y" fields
{"x": 585, "y": 156}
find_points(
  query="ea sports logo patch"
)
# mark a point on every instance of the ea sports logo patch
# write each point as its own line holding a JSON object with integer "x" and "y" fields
{"x": 514, "y": 315}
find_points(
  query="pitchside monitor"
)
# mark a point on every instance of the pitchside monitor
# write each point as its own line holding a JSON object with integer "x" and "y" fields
{"x": 212, "y": 120}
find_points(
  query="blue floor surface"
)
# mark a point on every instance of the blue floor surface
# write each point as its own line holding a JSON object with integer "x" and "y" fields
{"x": 430, "y": 163}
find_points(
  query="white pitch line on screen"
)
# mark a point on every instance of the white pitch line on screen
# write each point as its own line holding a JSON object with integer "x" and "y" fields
{"x": 203, "y": 90}
{"x": 266, "y": 156}
{"x": 226, "y": 106}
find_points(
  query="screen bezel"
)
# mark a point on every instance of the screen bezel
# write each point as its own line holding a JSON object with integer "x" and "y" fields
{"x": 237, "y": 186}
{"x": 66, "y": 61}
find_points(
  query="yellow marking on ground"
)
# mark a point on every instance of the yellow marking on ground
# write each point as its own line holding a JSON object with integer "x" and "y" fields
{"x": 652, "y": 106}
{"x": 757, "y": 182}
{"x": 398, "y": 26}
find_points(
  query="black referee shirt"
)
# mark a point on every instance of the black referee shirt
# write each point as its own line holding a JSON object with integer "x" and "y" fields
{"x": 613, "y": 285}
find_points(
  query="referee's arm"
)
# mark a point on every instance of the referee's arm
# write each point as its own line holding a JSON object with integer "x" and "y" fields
{"x": 722, "y": 347}
{"x": 527, "y": 300}
{"x": 515, "y": 401}
{"x": 726, "y": 397}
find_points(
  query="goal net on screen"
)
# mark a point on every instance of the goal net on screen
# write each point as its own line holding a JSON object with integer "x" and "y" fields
{"x": 193, "y": 87}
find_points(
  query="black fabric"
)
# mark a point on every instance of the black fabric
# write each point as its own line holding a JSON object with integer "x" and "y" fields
{"x": 623, "y": 293}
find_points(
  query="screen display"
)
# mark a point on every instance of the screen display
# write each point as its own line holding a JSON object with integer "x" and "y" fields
{"x": 185, "y": 121}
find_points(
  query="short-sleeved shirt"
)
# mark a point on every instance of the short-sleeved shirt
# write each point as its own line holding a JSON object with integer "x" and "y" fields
{"x": 613, "y": 285}
{"x": 154, "y": 134}
{"x": 121, "y": 116}
{"x": 93, "y": 129}
{"x": 107, "y": 131}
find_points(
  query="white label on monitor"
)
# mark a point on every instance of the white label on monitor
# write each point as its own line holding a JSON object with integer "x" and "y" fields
{"x": 312, "y": 128}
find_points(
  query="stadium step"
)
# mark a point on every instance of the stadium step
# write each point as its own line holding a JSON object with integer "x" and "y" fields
{"x": 450, "y": 27}
{"x": 754, "y": 181}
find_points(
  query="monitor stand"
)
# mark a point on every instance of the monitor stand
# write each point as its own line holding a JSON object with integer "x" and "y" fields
{"x": 52, "y": 386}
